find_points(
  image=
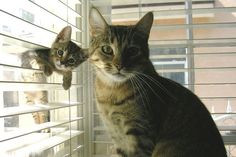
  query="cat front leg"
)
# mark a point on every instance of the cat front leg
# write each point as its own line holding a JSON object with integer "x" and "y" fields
{"x": 121, "y": 153}
{"x": 47, "y": 70}
{"x": 140, "y": 153}
{"x": 67, "y": 77}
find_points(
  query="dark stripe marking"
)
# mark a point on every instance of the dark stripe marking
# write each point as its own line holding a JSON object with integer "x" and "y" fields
{"x": 121, "y": 152}
{"x": 124, "y": 100}
{"x": 135, "y": 132}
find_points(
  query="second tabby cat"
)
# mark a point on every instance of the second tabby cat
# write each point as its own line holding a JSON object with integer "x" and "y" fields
{"x": 63, "y": 56}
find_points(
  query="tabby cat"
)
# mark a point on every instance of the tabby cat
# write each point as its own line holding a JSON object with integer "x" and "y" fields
{"x": 63, "y": 56}
{"x": 147, "y": 115}
{"x": 35, "y": 97}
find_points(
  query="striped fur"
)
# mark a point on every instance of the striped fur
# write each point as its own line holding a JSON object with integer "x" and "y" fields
{"x": 147, "y": 115}
{"x": 35, "y": 97}
{"x": 51, "y": 61}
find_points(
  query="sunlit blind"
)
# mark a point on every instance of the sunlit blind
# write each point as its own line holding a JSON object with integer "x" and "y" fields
{"x": 37, "y": 116}
{"x": 194, "y": 43}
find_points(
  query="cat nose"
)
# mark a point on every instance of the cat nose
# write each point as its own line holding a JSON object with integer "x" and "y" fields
{"x": 119, "y": 67}
{"x": 62, "y": 62}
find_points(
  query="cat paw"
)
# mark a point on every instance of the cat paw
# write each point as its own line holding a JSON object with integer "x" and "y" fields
{"x": 47, "y": 70}
{"x": 67, "y": 77}
{"x": 121, "y": 153}
{"x": 66, "y": 85}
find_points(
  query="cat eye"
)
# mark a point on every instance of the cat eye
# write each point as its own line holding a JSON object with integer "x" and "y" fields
{"x": 71, "y": 61}
{"x": 133, "y": 51}
{"x": 107, "y": 50}
{"x": 60, "y": 53}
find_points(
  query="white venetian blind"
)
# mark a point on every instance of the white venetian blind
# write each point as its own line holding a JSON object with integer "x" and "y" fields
{"x": 26, "y": 25}
{"x": 194, "y": 43}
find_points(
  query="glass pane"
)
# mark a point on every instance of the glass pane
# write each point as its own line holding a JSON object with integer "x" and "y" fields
{"x": 28, "y": 32}
{"x": 211, "y": 32}
{"x": 220, "y": 105}
{"x": 32, "y": 13}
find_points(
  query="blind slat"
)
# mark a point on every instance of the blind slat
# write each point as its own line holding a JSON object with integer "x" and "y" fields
{"x": 25, "y": 109}
{"x": 220, "y": 42}
{"x": 26, "y": 131}
{"x": 27, "y": 143}
{"x": 195, "y": 26}
{"x": 51, "y": 35}
{"x": 50, "y": 12}
{"x": 35, "y": 86}
{"x": 229, "y": 139}
{"x": 169, "y": 56}
{"x": 174, "y": 12}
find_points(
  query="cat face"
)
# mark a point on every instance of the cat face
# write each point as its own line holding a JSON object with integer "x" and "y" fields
{"x": 119, "y": 52}
{"x": 65, "y": 54}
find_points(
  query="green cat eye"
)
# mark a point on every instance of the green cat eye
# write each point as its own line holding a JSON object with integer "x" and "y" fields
{"x": 60, "y": 53}
{"x": 133, "y": 51}
{"x": 106, "y": 49}
{"x": 71, "y": 61}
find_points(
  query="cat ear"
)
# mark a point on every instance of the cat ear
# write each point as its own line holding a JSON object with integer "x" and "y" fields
{"x": 64, "y": 35}
{"x": 97, "y": 23}
{"x": 145, "y": 24}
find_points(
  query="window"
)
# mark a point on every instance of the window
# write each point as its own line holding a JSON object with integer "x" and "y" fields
{"x": 193, "y": 43}
{"x": 170, "y": 63}
{"x": 37, "y": 116}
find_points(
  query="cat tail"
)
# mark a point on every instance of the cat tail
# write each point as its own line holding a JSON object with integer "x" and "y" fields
{"x": 27, "y": 58}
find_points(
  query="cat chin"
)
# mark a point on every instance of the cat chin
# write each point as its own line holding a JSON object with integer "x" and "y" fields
{"x": 118, "y": 78}
{"x": 61, "y": 67}
{"x": 113, "y": 78}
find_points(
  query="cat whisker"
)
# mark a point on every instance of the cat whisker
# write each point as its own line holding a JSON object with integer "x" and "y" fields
{"x": 141, "y": 91}
{"x": 136, "y": 88}
{"x": 136, "y": 85}
{"x": 158, "y": 84}
{"x": 149, "y": 86}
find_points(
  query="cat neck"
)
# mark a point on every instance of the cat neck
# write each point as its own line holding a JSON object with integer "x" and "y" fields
{"x": 108, "y": 82}
{"x": 112, "y": 91}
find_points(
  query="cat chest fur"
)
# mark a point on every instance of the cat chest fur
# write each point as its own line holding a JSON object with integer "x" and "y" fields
{"x": 120, "y": 113}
